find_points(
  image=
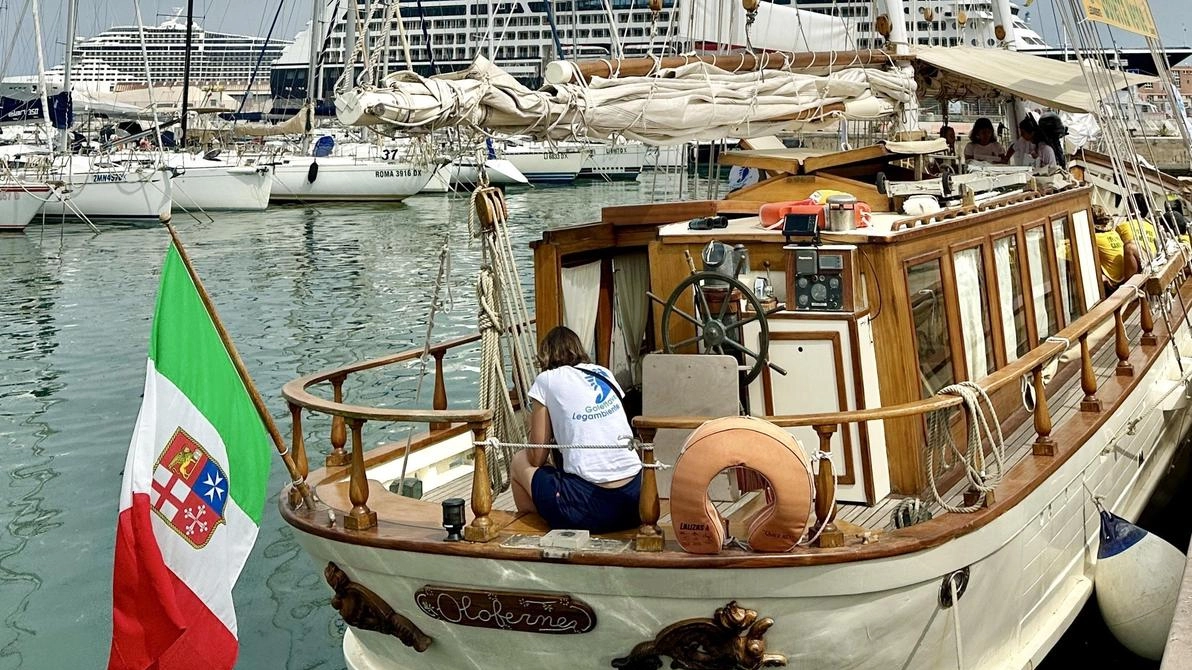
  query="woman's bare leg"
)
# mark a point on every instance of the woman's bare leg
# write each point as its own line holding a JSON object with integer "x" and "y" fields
{"x": 522, "y": 473}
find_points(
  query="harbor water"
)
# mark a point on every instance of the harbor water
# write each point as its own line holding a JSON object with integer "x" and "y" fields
{"x": 300, "y": 289}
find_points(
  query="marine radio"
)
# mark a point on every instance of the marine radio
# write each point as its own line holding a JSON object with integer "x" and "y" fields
{"x": 820, "y": 279}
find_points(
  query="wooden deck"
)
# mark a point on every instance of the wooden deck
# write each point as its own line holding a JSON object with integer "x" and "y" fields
{"x": 1063, "y": 400}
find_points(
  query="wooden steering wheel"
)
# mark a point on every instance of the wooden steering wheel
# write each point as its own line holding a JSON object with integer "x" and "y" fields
{"x": 717, "y": 329}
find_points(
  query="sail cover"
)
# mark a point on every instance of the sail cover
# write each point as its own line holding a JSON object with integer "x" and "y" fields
{"x": 966, "y": 71}
{"x": 696, "y": 101}
{"x": 776, "y": 27}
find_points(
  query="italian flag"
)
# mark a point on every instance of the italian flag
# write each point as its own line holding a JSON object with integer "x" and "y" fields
{"x": 194, "y": 491}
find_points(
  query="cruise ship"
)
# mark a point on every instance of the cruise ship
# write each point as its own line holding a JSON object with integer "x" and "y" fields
{"x": 114, "y": 58}
{"x": 521, "y": 35}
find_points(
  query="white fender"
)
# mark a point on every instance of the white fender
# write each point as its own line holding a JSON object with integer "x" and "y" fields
{"x": 1138, "y": 580}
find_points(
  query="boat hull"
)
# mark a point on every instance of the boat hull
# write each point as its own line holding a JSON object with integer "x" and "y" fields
{"x": 547, "y": 167}
{"x": 615, "y": 162}
{"x": 139, "y": 194}
{"x": 19, "y": 203}
{"x": 1029, "y": 572}
{"x": 222, "y": 188}
{"x": 347, "y": 179}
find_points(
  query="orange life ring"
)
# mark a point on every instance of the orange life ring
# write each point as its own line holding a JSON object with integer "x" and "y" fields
{"x": 746, "y": 442}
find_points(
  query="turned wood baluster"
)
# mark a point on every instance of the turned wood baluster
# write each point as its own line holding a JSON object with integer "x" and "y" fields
{"x": 649, "y": 535}
{"x": 1147, "y": 320}
{"x": 440, "y": 400}
{"x": 298, "y": 445}
{"x": 825, "y": 493}
{"x": 297, "y": 452}
{"x": 1121, "y": 346}
{"x": 1044, "y": 444}
{"x": 339, "y": 430}
{"x": 481, "y": 529}
{"x": 361, "y": 517}
{"x": 1088, "y": 378}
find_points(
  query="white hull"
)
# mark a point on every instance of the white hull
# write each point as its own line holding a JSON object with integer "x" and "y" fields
{"x": 499, "y": 171}
{"x": 346, "y": 179}
{"x": 1031, "y": 572}
{"x": 549, "y": 167}
{"x": 222, "y": 188}
{"x": 114, "y": 194}
{"x": 19, "y": 203}
{"x": 623, "y": 161}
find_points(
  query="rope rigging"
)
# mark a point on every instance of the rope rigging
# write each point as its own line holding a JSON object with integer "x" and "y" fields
{"x": 505, "y": 334}
{"x": 983, "y": 424}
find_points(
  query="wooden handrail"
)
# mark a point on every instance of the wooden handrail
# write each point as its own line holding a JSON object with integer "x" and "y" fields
{"x": 1026, "y": 365}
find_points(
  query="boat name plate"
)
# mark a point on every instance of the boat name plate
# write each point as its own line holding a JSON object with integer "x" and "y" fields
{"x": 525, "y": 612}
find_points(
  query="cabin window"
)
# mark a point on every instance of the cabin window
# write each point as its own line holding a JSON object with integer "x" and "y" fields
{"x": 1090, "y": 269}
{"x": 969, "y": 265}
{"x": 925, "y": 281}
{"x": 1010, "y": 297}
{"x": 1070, "y": 301}
{"x": 1046, "y": 319}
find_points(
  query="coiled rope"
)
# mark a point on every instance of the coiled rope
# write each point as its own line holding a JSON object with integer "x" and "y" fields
{"x": 983, "y": 424}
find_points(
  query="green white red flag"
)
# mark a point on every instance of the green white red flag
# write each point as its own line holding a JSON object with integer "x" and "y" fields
{"x": 194, "y": 491}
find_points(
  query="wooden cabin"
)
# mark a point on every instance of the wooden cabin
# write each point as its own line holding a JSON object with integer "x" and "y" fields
{"x": 935, "y": 300}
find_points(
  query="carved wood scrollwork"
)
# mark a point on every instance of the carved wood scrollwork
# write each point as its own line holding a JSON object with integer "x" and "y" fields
{"x": 733, "y": 638}
{"x": 363, "y": 609}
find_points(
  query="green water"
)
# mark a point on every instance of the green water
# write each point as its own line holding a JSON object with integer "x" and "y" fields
{"x": 300, "y": 289}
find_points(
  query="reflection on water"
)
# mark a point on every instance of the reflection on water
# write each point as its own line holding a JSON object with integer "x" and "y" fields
{"x": 300, "y": 289}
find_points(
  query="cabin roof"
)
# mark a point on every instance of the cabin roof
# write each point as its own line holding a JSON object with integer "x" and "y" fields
{"x": 1055, "y": 84}
{"x": 810, "y": 161}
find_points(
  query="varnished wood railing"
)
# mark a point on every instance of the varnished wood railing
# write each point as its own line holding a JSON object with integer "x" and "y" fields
{"x": 348, "y": 417}
{"x": 1031, "y": 364}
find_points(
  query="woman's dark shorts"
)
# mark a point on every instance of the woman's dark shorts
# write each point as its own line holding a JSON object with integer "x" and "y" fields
{"x": 570, "y": 501}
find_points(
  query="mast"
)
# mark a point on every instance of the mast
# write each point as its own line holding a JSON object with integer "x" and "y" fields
{"x": 351, "y": 13}
{"x": 68, "y": 61}
{"x": 312, "y": 72}
{"x": 41, "y": 73}
{"x": 908, "y": 119}
{"x": 313, "y": 68}
{"x": 190, "y": 14}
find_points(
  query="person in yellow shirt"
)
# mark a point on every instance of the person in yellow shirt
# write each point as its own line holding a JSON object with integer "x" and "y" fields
{"x": 1119, "y": 258}
{"x": 1128, "y": 229}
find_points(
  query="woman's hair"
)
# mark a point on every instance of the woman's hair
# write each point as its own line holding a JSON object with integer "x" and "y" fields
{"x": 1030, "y": 125}
{"x": 982, "y": 123}
{"x": 561, "y": 347}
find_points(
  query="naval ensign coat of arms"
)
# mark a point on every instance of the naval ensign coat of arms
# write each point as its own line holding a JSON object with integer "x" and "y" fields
{"x": 189, "y": 489}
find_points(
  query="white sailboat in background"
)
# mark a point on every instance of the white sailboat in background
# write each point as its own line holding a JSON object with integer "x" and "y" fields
{"x": 302, "y": 177}
{"x": 92, "y": 187}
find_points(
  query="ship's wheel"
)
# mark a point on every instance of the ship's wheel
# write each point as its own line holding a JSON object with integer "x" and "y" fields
{"x": 717, "y": 326}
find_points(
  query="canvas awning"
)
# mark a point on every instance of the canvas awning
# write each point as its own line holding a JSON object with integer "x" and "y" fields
{"x": 965, "y": 71}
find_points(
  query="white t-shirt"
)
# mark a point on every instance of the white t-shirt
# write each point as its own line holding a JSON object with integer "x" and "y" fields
{"x": 585, "y": 410}
{"x": 990, "y": 153}
{"x": 1043, "y": 156}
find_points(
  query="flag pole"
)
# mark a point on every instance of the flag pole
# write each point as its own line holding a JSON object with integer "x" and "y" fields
{"x": 257, "y": 401}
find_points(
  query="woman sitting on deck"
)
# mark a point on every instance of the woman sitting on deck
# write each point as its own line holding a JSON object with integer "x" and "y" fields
{"x": 577, "y": 403}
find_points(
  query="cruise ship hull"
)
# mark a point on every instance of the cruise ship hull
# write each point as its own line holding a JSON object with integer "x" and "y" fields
{"x": 346, "y": 179}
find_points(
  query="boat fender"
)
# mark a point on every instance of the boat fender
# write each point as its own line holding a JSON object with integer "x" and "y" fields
{"x": 1137, "y": 578}
{"x": 312, "y": 173}
{"x": 741, "y": 441}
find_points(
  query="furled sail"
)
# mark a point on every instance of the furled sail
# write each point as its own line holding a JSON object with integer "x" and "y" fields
{"x": 297, "y": 124}
{"x": 694, "y": 101}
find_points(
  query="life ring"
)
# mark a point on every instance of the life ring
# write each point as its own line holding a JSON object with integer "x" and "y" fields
{"x": 741, "y": 441}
